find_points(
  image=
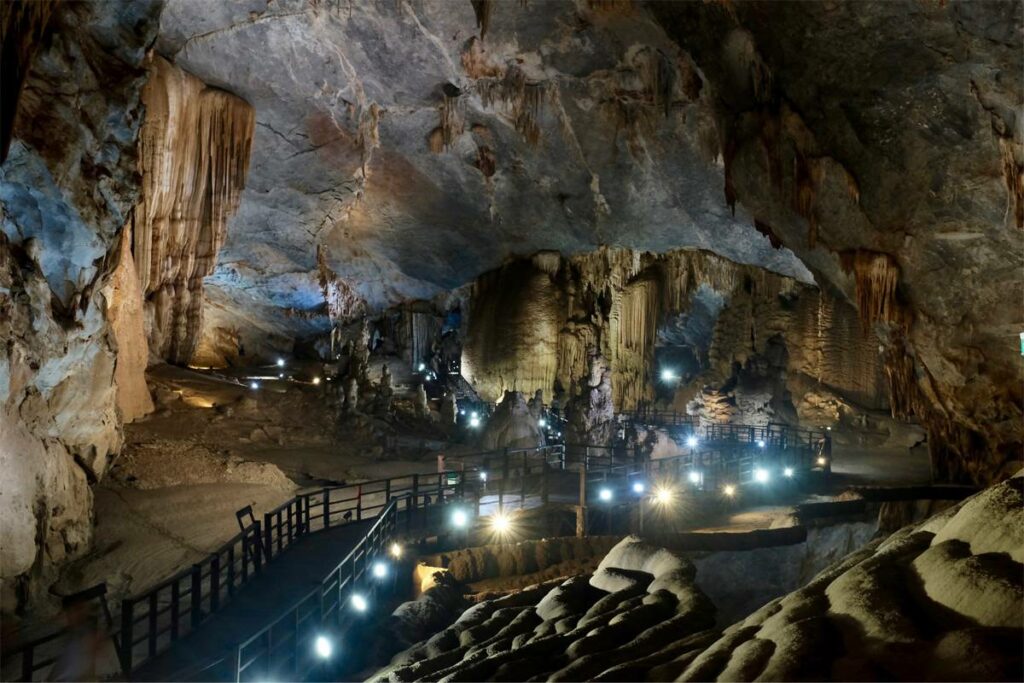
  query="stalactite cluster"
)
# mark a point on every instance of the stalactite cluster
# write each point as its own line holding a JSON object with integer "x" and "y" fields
{"x": 876, "y": 278}
{"x": 613, "y": 301}
{"x": 194, "y": 152}
{"x": 521, "y": 97}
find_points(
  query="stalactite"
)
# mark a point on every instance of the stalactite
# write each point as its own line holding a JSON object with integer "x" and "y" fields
{"x": 808, "y": 174}
{"x": 522, "y": 97}
{"x": 876, "y": 277}
{"x": 194, "y": 155}
{"x": 22, "y": 25}
{"x": 482, "y": 10}
{"x": 1013, "y": 175}
{"x": 342, "y": 301}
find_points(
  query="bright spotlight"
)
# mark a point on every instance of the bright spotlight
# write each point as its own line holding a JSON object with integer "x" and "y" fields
{"x": 421, "y": 367}
{"x": 474, "y": 421}
{"x": 788, "y": 472}
{"x": 663, "y": 496}
{"x": 483, "y": 476}
{"x": 822, "y": 462}
{"x": 359, "y": 603}
{"x": 760, "y": 443}
{"x": 542, "y": 422}
{"x": 322, "y": 646}
{"x": 691, "y": 441}
{"x": 500, "y": 523}
{"x": 760, "y": 475}
{"x": 395, "y": 550}
{"x": 667, "y": 375}
{"x": 460, "y": 519}
{"x": 280, "y": 375}
{"x": 474, "y": 415}
{"x": 380, "y": 570}
{"x": 638, "y": 487}
{"x": 729, "y": 490}
{"x": 316, "y": 380}
{"x": 280, "y": 362}
{"x": 254, "y": 385}
{"x": 694, "y": 477}
{"x": 828, "y": 428}
{"x": 605, "y": 494}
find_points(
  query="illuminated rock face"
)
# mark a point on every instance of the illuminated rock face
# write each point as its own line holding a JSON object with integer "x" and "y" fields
{"x": 66, "y": 189}
{"x": 535, "y": 323}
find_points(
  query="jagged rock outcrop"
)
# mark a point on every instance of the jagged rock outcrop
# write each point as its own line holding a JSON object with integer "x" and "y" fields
{"x": 194, "y": 156}
{"x": 940, "y": 600}
{"x": 864, "y": 171}
{"x": 66, "y": 188}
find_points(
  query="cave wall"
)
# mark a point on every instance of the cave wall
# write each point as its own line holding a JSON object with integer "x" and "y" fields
{"x": 66, "y": 189}
{"x": 194, "y": 156}
{"x": 531, "y": 323}
{"x": 892, "y": 168}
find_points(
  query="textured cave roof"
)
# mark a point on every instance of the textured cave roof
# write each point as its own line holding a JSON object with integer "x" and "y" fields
{"x": 423, "y": 222}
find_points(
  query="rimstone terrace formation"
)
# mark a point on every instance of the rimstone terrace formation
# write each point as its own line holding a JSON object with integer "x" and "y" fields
{"x": 615, "y": 339}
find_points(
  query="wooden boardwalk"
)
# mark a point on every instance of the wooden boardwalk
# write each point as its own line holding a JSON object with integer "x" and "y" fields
{"x": 259, "y": 602}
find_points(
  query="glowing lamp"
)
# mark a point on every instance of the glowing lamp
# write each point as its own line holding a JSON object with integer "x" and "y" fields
{"x": 788, "y": 472}
{"x": 729, "y": 490}
{"x": 254, "y": 385}
{"x": 822, "y": 462}
{"x": 359, "y": 603}
{"x": 323, "y": 648}
{"x": 380, "y": 570}
{"x": 694, "y": 477}
{"x": 280, "y": 362}
{"x": 605, "y": 494}
{"x": 395, "y": 550}
{"x": 460, "y": 519}
{"x": 760, "y": 443}
{"x": 663, "y": 496}
{"x": 638, "y": 487}
{"x": 316, "y": 380}
{"x": 691, "y": 441}
{"x": 761, "y": 475}
{"x": 667, "y": 375}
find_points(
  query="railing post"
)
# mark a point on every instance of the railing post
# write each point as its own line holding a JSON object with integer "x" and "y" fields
{"x": 153, "y": 633}
{"x": 387, "y": 491}
{"x": 215, "y": 583}
{"x": 127, "y": 634}
{"x": 258, "y": 546}
{"x": 522, "y": 484}
{"x": 359, "y": 503}
{"x": 268, "y": 537}
{"x": 175, "y": 608}
{"x": 197, "y": 595}
{"x": 327, "y": 508}
{"x": 544, "y": 483}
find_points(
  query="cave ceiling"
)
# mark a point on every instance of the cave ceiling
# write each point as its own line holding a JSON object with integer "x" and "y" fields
{"x": 569, "y": 126}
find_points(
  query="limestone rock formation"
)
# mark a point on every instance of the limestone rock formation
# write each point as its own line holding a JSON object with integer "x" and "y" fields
{"x": 862, "y": 171}
{"x": 66, "y": 188}
{"x": 194, "y": 156}
{"x": 941, "y": 600}
{"x": 639, "y": 608}
{"x": 511, "y": 425}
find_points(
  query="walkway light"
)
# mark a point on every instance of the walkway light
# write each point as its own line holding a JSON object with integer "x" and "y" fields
{"x": 395, "y": 550}
{"x": 638, "y": 487}
{"x": 323, "y": 648}
{"x": 460, "y": 519}
{"x": 663, "y": 495}
{"x": 822, "y": 461}
{"x": 359, "y": 603}
{"x": 694, "y": 477}
{"x": 254, "y": 385}
{"x": 729, "y": 490}
{"x": 421, "y": 367}
{"x": 691, "y": 441}
{"x": 280, "y": 362}
{"x": 761, "y": 475}
{"x": 474, "y": 421}
{"x": 316, "y": 380}
{"x": 788, "y": 472}
{"x": 483, "y": 476}
{"x": 605, "y": 494}
{"x": 760, "y": 443}
{"x": 542, "y": 422}
{"x": 501, "y": 523}
{"x": 380, "y": 570}
{"x": 667, "y": 375}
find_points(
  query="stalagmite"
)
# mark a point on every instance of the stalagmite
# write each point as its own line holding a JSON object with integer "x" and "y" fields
{"x": 194, "y": 150}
